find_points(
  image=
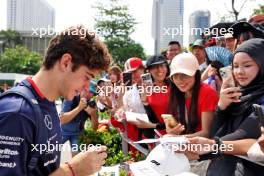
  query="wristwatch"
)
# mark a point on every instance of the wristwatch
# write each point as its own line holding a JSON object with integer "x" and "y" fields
{"x": 219, "y": 144}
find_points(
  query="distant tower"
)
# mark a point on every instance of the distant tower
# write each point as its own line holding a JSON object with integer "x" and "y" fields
{"x": 23, "y": 15}
{"x": 27, "y": 16}
{"x": 198, "y": 21}
{"x": 167, "y": 15}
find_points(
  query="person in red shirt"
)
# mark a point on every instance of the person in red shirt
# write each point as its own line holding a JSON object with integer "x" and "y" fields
{"x": 156, "y": 103}
{"x": 131, "y": 98}
{"x": 192, "y": 102}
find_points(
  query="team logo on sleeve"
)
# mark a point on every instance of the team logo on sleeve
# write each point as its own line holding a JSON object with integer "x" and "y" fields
{"x": 48, "y": 122}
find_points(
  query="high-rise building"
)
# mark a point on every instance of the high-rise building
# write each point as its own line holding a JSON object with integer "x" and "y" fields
{"x": 23, "y": 15}
{"x": 167, "y": 23}
{"x": 199, "y": 20}
{"x": 35, "y": 42}
{"x": 29, "y": 18}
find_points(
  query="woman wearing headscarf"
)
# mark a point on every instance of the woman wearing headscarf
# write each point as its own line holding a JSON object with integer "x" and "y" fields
{"x": 235, "y": 118}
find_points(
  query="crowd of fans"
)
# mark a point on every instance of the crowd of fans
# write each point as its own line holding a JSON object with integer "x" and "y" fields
{"x": 190, "y": 87}
{"x": 202, "y": 102}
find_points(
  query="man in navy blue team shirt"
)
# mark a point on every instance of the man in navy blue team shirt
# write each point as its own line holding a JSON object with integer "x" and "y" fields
{"x": 72, "y": 59}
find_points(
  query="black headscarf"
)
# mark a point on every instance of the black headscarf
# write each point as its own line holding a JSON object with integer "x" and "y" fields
{"x": 255, "y": 90}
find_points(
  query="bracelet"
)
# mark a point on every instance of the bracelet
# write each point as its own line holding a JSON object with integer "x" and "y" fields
{"x": 70, "y": 167}
{"x": 219, "y": 143}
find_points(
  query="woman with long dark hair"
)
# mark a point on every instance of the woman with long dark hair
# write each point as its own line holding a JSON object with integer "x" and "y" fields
{"x": 156, "y": 104}
{"x": 192, "y": 103}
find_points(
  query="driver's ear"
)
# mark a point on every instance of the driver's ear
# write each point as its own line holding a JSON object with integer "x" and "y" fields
{"x": 65, "y": 62}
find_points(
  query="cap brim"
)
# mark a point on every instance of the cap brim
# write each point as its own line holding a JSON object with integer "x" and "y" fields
{"x": 157, "y": 63}
{"x": 242, "y": 27}
{"x": 198, "y": 45}
{"x": 184, "y": 71}
{"x": 227, "y": 36}
{"x": 133, "y": 69}
{"x": 130, "y": 70}
{"x": 102, "y": 80}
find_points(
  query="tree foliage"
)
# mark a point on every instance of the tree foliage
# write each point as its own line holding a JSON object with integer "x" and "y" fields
{"x": 20, "y": 60}
{"x": 115, "y": 25}
{"x": 260, "y": 10}
{"x": 10, "y": 38}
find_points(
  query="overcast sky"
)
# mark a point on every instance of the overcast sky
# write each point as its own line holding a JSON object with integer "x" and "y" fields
{"x": 72, "y": 12}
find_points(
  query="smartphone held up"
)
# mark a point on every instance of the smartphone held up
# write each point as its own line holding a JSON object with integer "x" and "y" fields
{"x": 226, "y": 74}
{"x": 147, "y": 79}
{"x": 127, "y": 78}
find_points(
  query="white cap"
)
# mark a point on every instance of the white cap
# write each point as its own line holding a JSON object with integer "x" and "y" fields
{"x": 228, "y": 35}
{"x": 161, "y": 161}
{"x": 185, "y": 63}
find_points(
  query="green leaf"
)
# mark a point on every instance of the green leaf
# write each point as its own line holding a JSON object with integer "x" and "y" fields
{"x": 115, "y": 24}
{"x": 20, "y": 60}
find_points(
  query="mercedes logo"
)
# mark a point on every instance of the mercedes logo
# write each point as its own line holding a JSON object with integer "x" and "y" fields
{"x": 48, "y": 122}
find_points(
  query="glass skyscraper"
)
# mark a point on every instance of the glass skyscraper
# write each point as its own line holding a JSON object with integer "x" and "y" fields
{"x": 167, "y": 22}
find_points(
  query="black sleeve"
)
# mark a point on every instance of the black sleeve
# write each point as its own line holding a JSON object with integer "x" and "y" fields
{"x": 219, "y": 120}
{"x": 153, "y": 118}
{"x": 249, "y": 128}
{"x": 207, "y": 156}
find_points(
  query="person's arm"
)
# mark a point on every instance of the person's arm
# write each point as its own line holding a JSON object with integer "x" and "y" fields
{"x": 249, "y": 128}
{"x": 239, "y": 147}
{"x": 219, "y": 119}
{"x": 210, "y": 149}
{"x": 84, "y": 163}
{"x": 63, "y": 170}
{"x": 105, "y": 101}
{"x": 218, "y": 83}
{"x": 153, "y": 118}
{"x": 108, "y": 102}
{"x": 207, "y": 118}
{"x": 204, "y": 75}
{"x": 261, "y": 140}
{"x": 94, "y": 118}
{"x": 68, "y": 114}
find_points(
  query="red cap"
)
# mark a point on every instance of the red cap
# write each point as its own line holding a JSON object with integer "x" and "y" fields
{"x": 132, "y": 64}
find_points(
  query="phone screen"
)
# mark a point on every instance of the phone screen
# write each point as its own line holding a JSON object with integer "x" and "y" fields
{"x": 127, "y": 79}
{"x": 226, "y": 73}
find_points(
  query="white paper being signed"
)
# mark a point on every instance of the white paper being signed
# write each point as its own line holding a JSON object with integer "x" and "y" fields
{"x": 132, "y": 116}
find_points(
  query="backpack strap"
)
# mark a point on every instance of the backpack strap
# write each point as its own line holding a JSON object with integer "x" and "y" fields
{"x": 28, "y": 95}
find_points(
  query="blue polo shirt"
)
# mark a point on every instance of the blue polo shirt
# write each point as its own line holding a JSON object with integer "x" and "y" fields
{"x": 18, "y": 131}
{"x": 75, "y": 126}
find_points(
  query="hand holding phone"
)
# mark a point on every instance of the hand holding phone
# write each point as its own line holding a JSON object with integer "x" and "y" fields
{"x": 171, "y": 120}
{"x": 147, "y": 79}
{"x": 229, "y": 93}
